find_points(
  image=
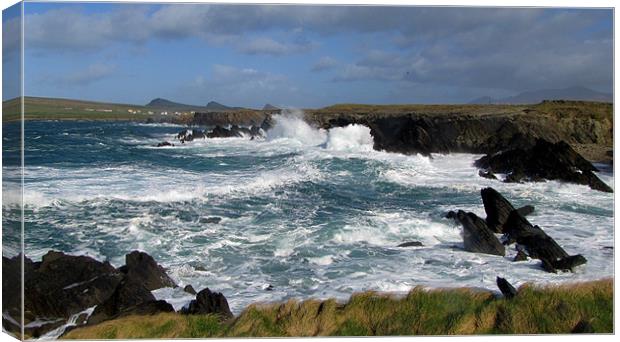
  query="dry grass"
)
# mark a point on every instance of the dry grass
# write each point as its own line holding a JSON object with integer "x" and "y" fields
{"x": 536, "y": 310}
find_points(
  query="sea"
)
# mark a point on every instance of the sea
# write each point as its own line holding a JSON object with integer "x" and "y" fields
{"x": 303, "y": 212}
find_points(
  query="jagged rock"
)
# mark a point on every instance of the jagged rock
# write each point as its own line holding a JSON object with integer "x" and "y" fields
{"x": 221, "y": 132}
{"x": 526, "y": 210}
{"x": 506, "y": 288}
{"x": 189, "y": 289}
{"x": 536, "y": 242}
{"x": 164, "y": 143}
{"x": 487, "y": 174}
{"x": 477, "y": 237}
{"x": 130, "y": 297}
{"x": 62, "y": 285}
{"x": 497, "y": 209}
{"x": 208, "y": 302}
{"x": 547, "y": 266}
{"x": 569, "y": 263}
{"x": 142, "y": 268}
{"x": 545, "y": 160}
{"x": 267, "y": 123}
{"x": 411, "y": 244}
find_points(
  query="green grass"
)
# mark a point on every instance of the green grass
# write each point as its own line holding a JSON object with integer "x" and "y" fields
{"x": 536, "y": 310}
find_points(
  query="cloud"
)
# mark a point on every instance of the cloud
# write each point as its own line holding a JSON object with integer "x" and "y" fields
{"x": 325, "y": 63}
{"x": 503, "y": 48}
{"x": 268, "y": 46}
{"x": 82, "y": 77}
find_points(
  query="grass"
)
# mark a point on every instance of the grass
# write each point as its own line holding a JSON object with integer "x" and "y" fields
{"x": 536, "y": 310}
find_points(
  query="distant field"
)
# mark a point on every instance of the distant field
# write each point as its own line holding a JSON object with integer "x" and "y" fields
{"x": 37, "y": 108}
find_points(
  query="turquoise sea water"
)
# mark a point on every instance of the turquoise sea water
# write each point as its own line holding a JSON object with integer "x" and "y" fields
{"x": 312, "y": 213}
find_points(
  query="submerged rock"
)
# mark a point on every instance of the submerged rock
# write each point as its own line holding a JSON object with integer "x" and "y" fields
{"x": 411, "y": 244}
{"x": 164, "y": 143}
{"x": 212, "y": 219}
{"x": 545, "y": 160}
{"x": 208, "y": 302}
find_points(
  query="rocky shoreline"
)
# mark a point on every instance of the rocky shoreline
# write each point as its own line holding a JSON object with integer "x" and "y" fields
{"x": 524, "y": 143}
{"x": 66, "y": 291}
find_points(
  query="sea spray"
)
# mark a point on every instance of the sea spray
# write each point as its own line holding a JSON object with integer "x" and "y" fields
{"x": 291, "y": 125}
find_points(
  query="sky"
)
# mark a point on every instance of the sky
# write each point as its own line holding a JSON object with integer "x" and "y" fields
{"x": 305, "y": 56}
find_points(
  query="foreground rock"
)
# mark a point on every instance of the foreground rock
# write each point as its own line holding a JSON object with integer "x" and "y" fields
{"x": 498, "y": 209}
{"x": 208, "y": 302}
{"x": 506, "y": 288}
{"x": 545, "y": 160}
{"x": 61, "y": 286}
{"x": 130, "y": 298}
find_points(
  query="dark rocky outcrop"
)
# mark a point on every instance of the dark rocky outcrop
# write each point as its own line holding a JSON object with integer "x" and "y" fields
{"x": 411, "y": 244}
{"x": 477, "y": 237}
{"x": 164, "y": 143}
{"x": 61, "y": 285}
{"x": 497, "y": 209}
{"x": 506, "y": 288}
{"x": 545, "y": 160}
{"x": 569, "y": 263}
{"x": 535, "y": 241}
{"x": 142, "y": 268}
{"x": 130, "y": 297}
{"x": 208, "y": 302}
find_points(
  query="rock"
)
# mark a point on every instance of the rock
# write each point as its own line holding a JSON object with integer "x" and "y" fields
{"x": 547, "y": 266}
{"x": 267, "y": 123}
{"x": 130, "y": 297}
{"x": 521, "y": 256}
{"x": 477, "y": 237}
{"x": 269, "y": 287}
{"x": 189, "y": 289}
{"x": 62, "y": 285}
{"x": 569, "y": 263}
{"x": 212, "y": 219}
{"x": 221, "y": 132}
{"x": 411, "y": 244}
{"x": 142, "y": 268}
{"x": 506, "y": 288}
{"x": 487, "y": 174}
{"x": 497, "y": 209}
{"x": 583, "y": 327}
{"x": 526, "y": 210}
{"x": 536, "y": 242}
{"x": 198, "y": 134}
{"x": 545, "y": 160}
{"x": 208, "y": 302}
{"x": 164, "y": 143}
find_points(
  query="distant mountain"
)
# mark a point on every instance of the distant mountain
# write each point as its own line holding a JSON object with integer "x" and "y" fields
{"x": 536, "y": 96}
{"x": 270, "y": 107}
{"x": 163, "y": 103}
{"x": 483, "y": 100}
{"x": 218, "y": 106}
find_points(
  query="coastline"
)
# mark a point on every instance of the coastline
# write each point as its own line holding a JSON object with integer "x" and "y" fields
{"x": 567, "y": 308}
